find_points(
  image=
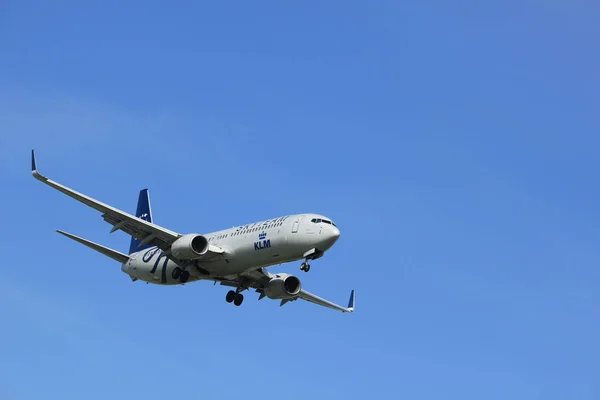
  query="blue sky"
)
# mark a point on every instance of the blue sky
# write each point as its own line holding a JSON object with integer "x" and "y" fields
{"x": 456, "y": 146}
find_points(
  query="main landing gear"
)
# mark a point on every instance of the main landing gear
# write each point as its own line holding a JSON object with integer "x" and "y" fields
{"x": 181, "y": 274}
{"x": 235, "y": 297}
{"x": 305, "y": 266}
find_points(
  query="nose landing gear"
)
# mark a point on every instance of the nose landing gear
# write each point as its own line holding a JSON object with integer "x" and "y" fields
{"x": 311, "y": 254}
{"x": 305, "y": 266}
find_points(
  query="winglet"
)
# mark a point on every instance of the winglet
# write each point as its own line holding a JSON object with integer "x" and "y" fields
{"x": 351, "y": 302}
{"x": 34, "y": 170}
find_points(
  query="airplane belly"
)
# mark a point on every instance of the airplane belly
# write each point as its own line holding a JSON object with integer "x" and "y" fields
{"x": 153, "y": 267}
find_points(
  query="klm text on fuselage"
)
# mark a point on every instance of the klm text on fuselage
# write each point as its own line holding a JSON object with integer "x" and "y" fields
{"x": 265, "y": 244}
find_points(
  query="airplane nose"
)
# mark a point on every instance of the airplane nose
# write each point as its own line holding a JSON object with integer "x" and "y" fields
{"x": 330, "y": 237}
{"x": 335, "y": 233}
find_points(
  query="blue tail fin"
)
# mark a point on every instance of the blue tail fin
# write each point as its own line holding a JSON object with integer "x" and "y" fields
{"x": 144, "y": 212}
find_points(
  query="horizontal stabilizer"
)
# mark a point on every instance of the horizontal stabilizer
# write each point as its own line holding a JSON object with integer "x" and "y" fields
{"x": 115, "y": 255}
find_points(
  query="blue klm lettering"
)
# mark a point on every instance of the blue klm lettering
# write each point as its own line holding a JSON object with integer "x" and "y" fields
{"x": 265, "y": 244}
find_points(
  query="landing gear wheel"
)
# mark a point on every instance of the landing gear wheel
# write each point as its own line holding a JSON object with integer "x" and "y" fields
{"x": 239, "y": 298}
{"x": 230, "y": 296}
{"x": 185, "y": 275}
{"x": 305, "y": 267}
{"x": 176, "y": 273}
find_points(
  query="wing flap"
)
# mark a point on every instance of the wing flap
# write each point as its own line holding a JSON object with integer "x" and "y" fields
{"x": 132, "y": 229}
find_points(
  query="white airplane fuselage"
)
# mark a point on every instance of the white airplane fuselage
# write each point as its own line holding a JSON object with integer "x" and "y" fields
{"x": 247, "y": 247}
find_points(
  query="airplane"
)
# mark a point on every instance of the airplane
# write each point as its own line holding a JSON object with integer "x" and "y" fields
{"x": 235, "y": 257}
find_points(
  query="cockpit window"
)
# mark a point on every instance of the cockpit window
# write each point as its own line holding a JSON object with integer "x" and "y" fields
{"x": 319, "y": 220}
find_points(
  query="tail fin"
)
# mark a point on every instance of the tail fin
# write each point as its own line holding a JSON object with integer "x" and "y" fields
{"x": 143, "y": 212}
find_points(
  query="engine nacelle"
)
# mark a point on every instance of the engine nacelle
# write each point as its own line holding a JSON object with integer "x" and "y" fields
{"x": 283, "y": 286}
{"x": 189, "y": 247}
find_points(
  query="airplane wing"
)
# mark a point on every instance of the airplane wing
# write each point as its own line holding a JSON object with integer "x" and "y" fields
{"x": 258, "y": 278}
{"x": 146, "y": 232}
{"x": 304, "y": 295}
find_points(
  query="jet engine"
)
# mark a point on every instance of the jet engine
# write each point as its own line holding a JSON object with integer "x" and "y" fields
{"x": 283, "y": 286}
{"x": 189, "y": 247}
